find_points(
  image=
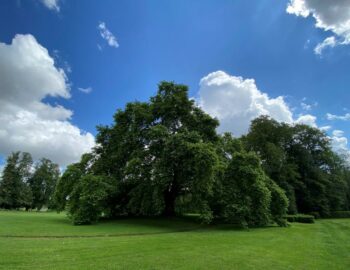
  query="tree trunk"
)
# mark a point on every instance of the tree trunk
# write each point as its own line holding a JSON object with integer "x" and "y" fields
{"x": 169, "y": 199}
{"x": 169, "y": 209}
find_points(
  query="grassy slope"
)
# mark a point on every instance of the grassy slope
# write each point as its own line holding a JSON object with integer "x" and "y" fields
{"x": 324, "y": 245}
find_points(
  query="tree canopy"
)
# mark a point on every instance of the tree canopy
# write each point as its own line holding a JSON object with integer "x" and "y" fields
{"x": 164, "y": 157}
{"x": 300, "y": 159}
{"x": 25, "y": 184}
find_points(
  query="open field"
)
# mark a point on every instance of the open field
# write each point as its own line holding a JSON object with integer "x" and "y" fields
{"x": 48, "y": 241}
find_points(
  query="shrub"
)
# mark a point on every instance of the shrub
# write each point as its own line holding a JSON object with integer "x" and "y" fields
{"x": 340, "y": 214}
{"x": 86, "y": 203}
{"x": 301, "y": 218}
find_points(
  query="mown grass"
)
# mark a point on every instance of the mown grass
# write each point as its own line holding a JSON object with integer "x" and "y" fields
{"x": 167, "y": 244}
{"x": 41, "y": 224}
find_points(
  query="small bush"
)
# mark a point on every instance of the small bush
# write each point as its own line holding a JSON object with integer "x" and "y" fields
{"x": 300, "y": 218}
{"x": 340, "y": 214}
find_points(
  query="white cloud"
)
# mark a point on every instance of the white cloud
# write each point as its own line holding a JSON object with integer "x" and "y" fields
{"x": 27, "y": 75}
{"x": 340, "y": 144}
{"x": 236, "y": 101}
{"x": 107, "y": 35}
{"x": 344, "y": 117}
{"x": 52, "y": 4}
{"x": 307, "y": 119}
{"x": 328, "y": 42}
{"x": 306, "y": 107}
{"x": 333, "y": 16}
{"x": 86, "y": 90}
{"x": 325, "y": 128}
{"x": 2, "y": 166}
{"x": 338, "y": 133}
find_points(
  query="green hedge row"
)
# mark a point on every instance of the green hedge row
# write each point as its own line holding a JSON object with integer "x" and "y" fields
{"x": 340, "y": 214}
{"x": 300, "y": 218}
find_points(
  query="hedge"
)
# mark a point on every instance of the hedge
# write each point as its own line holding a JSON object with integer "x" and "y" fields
{"x": 301, "y": 218}
{"x": 340, "y": 214}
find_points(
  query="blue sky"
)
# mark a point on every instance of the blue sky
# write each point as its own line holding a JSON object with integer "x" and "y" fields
{"x": 184, "y": 41}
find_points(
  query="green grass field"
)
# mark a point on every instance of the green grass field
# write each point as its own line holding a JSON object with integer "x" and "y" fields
{"x": 49, "y": 241}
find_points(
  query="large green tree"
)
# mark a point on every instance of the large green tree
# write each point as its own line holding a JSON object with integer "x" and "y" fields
{"x": 14, "y": 189}
{"x": 43, "y": 182}
{"x": 243, "y": 193}
{"x": 157, "y": 153}
{"x": 300, "y": 159}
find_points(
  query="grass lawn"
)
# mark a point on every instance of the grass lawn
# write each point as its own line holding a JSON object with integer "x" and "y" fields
{"x": 48, "y": 241}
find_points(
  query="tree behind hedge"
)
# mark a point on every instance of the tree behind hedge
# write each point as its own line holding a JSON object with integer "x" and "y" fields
{"x": 300, "y": 159}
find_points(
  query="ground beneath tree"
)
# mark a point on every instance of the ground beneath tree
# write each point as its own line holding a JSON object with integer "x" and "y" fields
{"x": 48, "y": 241}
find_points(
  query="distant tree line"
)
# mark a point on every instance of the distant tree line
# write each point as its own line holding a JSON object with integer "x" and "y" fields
{"x": 164, "y": 157}
{"x": 29, "y": 185}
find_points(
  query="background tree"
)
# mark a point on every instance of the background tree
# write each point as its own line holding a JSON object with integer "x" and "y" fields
{"x": 300, "y": 159}
{"x": 43, "y": 182}
{"x": 272, "y": 141}
{"x": 14, "y": 190}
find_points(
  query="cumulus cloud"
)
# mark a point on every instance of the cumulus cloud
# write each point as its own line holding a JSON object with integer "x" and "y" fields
{"x": 236, "y": 101}
{"x": 325, "y": 128}
{"x": 344, "y": 117}
{"x": 107, "y": 35}
{"x": 306, "y": 107}
{"x": 27, "y": 76}
{"x": 307, "y": 119}
{"x": 86, "y": 90}
{"x": 340, "y": 144}
{"x": 338, "y": 133}
{"x": 51, "y": 4}
{"x": 333, "y": 16}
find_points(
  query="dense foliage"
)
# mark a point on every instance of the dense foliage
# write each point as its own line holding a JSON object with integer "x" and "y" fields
{"x": 27, "y": 185}
{"x": 243, "y": 193}
{"x": 164, "y": 157}
{"x": 301, "y": 218}
{"x": 43, "y": 183}
{"x": 300, "y": 159}
{"x": 14, "y": 189}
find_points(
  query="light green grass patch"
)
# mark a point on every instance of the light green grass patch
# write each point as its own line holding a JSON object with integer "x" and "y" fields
{"x": 323, "y": 245}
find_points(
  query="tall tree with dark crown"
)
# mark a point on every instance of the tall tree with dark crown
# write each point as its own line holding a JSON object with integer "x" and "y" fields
{"x": 158, "y": 152}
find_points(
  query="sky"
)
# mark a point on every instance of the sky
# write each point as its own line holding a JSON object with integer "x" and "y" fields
{"x": 67, "y": 66}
